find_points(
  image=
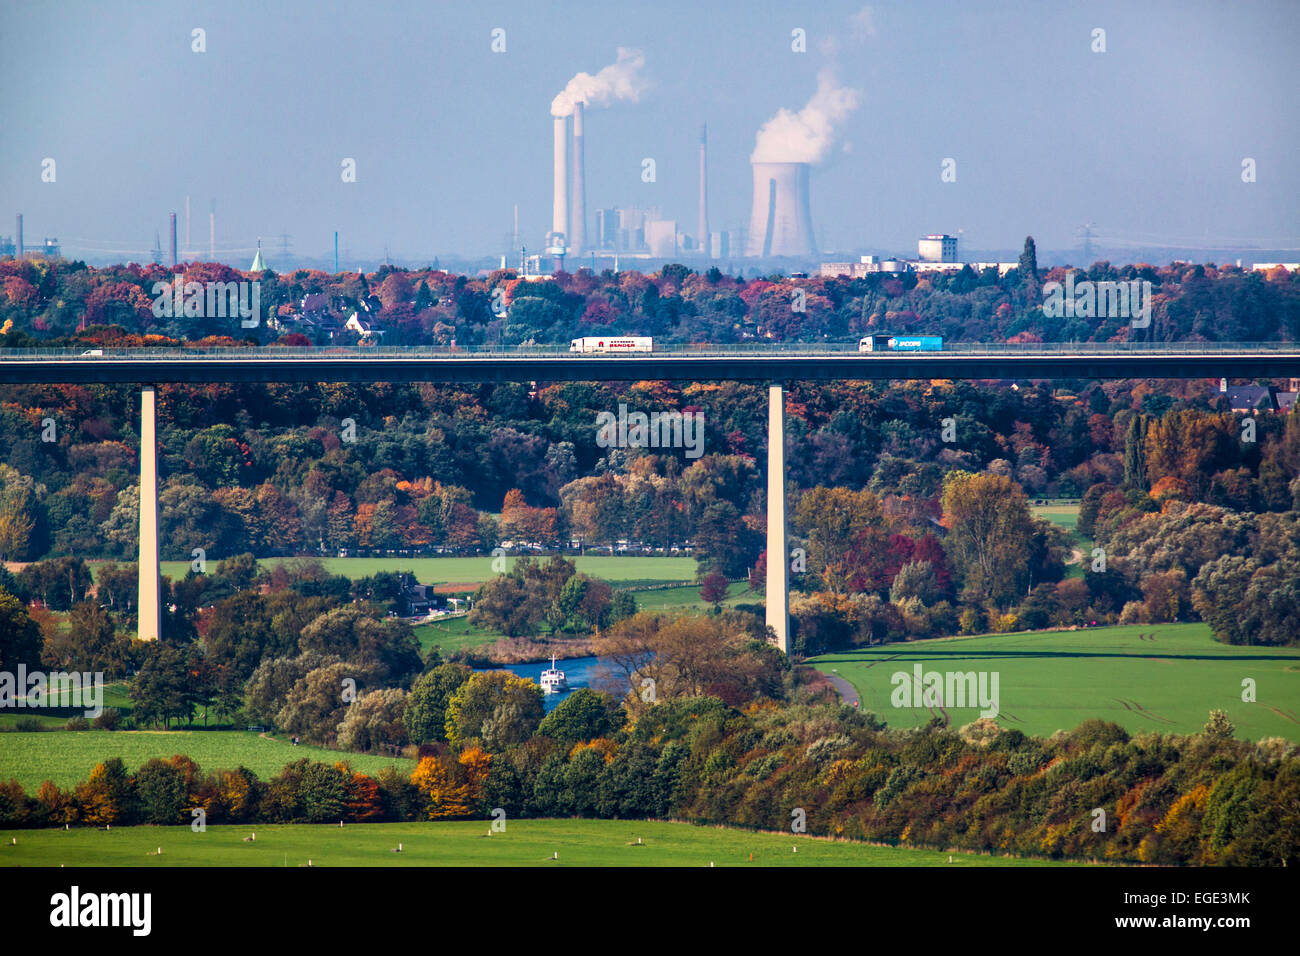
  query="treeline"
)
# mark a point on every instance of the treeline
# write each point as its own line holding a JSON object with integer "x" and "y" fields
{"x": 47, "y": 302}
{"x": 1172, "y": 514}
{"x": 1202, "y": 799}
{"x": 299, "y": 469}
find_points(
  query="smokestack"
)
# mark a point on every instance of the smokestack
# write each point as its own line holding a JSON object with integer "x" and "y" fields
{"x": 578, "y": 215}
{"x": 174, "y": 260}
{"x": 189, "y": 245}
{"x": 702, "y": 227}
{"x": 560, "y": 219}
{"x": 781, "y": 221}
{"x": 212, "y": 231}
{"x": 20, "y": 235}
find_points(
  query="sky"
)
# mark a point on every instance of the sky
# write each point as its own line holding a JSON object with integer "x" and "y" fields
{"x": 1146, "y": 140}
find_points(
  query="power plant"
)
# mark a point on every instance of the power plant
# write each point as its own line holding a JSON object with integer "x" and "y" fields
{"x": 780, "y": 223}
{"x": 786, "y": 148}
{"x": 630, "y": 230}
{"x": 568, "y": 233}
{"x": 559, "y": 236}
{"x": 578, "y": 209}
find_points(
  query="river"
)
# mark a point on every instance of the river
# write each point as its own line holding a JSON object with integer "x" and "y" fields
{"x": 578, "y": 671}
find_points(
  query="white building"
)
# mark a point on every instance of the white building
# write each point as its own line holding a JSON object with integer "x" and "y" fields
{"x": 661, "y": 237}
{"x": 939, "y": 248}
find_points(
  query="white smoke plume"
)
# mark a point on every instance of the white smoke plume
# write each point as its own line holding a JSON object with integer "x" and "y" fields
{"x": 621, "y": 80}
{"x": 806, "y": 136}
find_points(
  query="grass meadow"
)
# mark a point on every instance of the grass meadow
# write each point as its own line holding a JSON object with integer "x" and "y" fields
{"x": 1143, "y": 677}
{"x": 475, "y": 570}
{"x": 67, "y": 757}
{"x": 464, "y": 843}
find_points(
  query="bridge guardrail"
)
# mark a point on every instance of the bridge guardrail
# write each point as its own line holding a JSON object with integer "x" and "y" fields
{"x": 745, "y": 350}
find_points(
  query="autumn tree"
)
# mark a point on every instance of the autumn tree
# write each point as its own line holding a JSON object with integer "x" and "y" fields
{"x": 830, "y": 519}
{"x": 374, "y": 722}
{"x": 714, "y": 588}
{"x": 425, "y": 714}
{"x": 495, "y": 707}
{"x": 989, "y": 524}
{"x": 445, "y": 796}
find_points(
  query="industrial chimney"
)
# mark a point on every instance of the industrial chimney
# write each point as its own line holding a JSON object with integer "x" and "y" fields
{"x": 560, "y": 219}
{"x": 781, "y": 221}
{"x": 578, "y": 215}
{"x": 174, "y": 259}
{"x": 702, "y": 227}
{"x": 20, "y": 235}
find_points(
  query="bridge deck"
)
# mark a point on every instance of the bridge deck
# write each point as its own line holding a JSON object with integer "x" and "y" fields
{"x": 759, "y": 363}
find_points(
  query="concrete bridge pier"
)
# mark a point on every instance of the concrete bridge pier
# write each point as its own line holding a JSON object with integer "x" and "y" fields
{"x": 777, "y": 594}
{"x": 149, "y": 604}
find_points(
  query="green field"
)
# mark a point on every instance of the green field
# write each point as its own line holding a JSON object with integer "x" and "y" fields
{"x": 1163, "y": 677}
{"x": 453, "y": 635}
{"x": 1067, "y": 516}
{"x": 67, "y": 757}
{"x": 644, "y": 570}
{"x": 462, "y": 843}
{"x": 458, "y": 634}
{"x": 114, "y": 696}
{"x": 688, "y": 598}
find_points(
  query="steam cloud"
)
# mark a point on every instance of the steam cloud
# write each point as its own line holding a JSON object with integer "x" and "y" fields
{"x": 806, "y": 136}
{"x": 621, "y": 80}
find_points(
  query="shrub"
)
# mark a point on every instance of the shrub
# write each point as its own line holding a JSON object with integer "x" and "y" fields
{"x": 108, "y": 720}
{"x": 77, "y": 723}
{"x": 1219, "y": 726}
{"x": 980, "y": 732}
{"x": 28, "y": 725}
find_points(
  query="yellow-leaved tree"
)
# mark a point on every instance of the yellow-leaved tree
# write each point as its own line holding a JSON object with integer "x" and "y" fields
{"x": 435, "y": 778}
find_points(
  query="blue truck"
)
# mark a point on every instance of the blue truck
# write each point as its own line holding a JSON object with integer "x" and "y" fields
{"x": 901, "y": 343}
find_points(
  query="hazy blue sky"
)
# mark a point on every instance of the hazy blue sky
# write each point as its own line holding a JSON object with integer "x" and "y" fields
{"x": 1146, "y": 140}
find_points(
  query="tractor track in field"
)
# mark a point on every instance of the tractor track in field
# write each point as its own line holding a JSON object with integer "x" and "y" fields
{"x": 1142, "y": 711}
{"x": 1285, "y": 715}
{"x": 883, "y": 660}
{"x": 947, "y": 720}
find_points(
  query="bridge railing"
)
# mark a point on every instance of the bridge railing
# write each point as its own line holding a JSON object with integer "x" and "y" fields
{"x": 748, "y": 349}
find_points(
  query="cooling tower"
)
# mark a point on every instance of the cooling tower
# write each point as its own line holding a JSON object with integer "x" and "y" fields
{"x": 560, "y": 220}
{"x": 578, "y": 213}
{"x": 781, "y": 221}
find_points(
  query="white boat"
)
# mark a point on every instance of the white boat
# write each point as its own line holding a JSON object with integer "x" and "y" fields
{"x": 553, "y": 680}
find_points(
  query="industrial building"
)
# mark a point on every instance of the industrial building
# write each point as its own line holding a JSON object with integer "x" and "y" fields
{"x": 937, "y": 249}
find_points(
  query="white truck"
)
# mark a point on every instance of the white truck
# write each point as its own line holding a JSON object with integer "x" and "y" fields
{"x": 627, "y": 343}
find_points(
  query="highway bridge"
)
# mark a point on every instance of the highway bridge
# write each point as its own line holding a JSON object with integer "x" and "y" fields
{"x": 771, "y": 364}
{"x": 753, "y": 363}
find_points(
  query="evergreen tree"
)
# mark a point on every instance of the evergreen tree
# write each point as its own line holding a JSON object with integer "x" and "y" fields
{"x": 1135, "y": 466}
{"x": 1029, "y": 262}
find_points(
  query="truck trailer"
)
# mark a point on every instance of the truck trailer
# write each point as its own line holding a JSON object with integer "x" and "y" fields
{"x": 599, "y": 343}
{"x": 901, "y": 343}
